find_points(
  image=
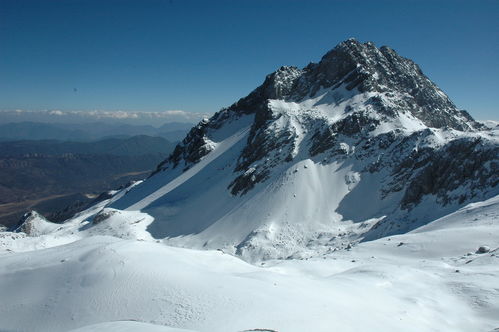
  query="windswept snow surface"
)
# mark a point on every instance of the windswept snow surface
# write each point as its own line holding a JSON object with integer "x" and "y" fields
{"x": 128, "y": 326}
{"x": 431, "y": 279}
{"x": 219, "y": 149}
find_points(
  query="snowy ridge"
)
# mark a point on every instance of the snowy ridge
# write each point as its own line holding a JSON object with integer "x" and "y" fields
{"x": 34, "y": 224}
{"x": 217, "y": 150}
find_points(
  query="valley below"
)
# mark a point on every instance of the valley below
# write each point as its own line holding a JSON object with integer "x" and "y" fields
{"x": 60, "y": 178}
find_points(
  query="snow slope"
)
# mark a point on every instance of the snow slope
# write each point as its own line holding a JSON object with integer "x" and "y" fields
{"x": 218, "y": 150}
{"x": 431, "y": 279}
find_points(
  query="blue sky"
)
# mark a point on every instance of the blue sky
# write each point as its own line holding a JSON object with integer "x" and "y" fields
{"x": 203, "y": 55}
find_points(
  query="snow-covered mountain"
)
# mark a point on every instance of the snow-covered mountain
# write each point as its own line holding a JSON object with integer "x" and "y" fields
{"x": 358, "y": 146}
{"x": 358, "y": 166}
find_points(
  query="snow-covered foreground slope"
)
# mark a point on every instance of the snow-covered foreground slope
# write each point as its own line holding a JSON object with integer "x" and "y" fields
{"x": 431, "y": 279}
{"x": 127, "y": 326}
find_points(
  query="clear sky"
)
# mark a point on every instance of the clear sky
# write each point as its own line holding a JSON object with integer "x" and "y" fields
{"x": 200, "y": 56}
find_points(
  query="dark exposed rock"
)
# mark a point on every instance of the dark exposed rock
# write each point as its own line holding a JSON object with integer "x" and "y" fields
{"x": 80, "y": 203}
{"x": 103, "y": 215}
{"x": 459, "y": 162}
{"x": 193, "y": 147}
{"x": 30, "y": 223}
{"x": 483, "y": 249}
{"x": 25, "y": 224}
{"x": 322, "y": 141}
{"x": 354, "y": 124}
{"x": 245, "y": 182}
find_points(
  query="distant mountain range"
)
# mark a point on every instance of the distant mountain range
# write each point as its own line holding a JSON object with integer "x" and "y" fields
{"x": 172, "y": 131}
{"x": 129, "y": 146}
{"x": 49, "y": 175}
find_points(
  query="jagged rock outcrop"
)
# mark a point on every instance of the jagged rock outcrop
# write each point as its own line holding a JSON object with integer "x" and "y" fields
{"x": 34, "y": 224}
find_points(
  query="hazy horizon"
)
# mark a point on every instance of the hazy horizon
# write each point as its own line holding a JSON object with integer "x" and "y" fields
{"x": 155, "y": 119}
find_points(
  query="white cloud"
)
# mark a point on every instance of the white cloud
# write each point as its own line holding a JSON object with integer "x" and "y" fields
{"x": 152, "y": 118}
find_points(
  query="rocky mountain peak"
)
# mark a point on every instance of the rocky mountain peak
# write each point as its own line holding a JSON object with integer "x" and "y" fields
{"x": 361, "y": 68}
{"x": 279, "y": 84}
{"x": 354, "y": 89}
{"x": 34, "y": 224}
